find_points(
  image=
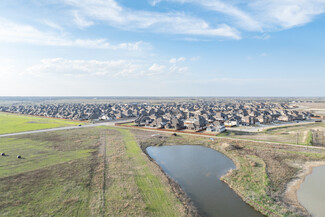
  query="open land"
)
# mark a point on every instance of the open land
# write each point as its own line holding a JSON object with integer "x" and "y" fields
{"x": 316, "y": 107}
{"x": 83, "y": 172}
{"x": 12, "y": 123}
{"x": 294, "y": 134}
{"x": 100, "y": 171}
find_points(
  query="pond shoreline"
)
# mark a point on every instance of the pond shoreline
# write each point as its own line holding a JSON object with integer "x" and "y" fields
{"x": 191, "y": 210}
{"x": 189, "y": 206}
{"x": 255, "y": 206}
{"x": 290, "y": 194}
{"x": 245, "y": 199}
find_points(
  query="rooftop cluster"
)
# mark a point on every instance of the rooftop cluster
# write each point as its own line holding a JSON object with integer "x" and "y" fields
{"x": 209, "y": 116}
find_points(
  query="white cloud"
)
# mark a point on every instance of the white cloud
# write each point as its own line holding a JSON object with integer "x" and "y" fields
{"x": 262, "y": 15}
{"x": 154, "y": 2}
{"x": 284, "y": 14}
{"x": 52, "y": 24}
{"x": 170, "y": 22}
{"x": 110, "y": 68}
{"x": 156, "y": 69}
{"x": 263, "y": 37}
{"x": 19, "y": 33}
{"x": 178, "y": 69}
{"x": 60, "y": 66}
{"x": 242, "y": 18}
{"x": 176, "y": 60}
{"x": 81, "y": 22}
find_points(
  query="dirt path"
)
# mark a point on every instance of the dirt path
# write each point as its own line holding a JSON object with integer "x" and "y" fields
{"x": 216, "y": 138}
{"x": 98, "y": 183}
{"x": 103, "y": 141}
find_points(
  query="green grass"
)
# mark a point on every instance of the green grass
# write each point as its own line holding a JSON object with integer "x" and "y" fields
{"x": 159, "y": 202}
{"x": 253, "y": 182}
{"x": 82, "y": 172}
{"x": 309, "y": 138}
{"x": 54, "y": 176}
{"x": 35, "y": 155}
{"x": 12, "y": 123}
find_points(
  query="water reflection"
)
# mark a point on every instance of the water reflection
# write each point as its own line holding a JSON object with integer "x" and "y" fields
{"x": 198, "y": 170}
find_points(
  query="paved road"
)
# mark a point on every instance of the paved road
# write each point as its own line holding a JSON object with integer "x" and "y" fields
{"x": 228, "y": 138}
{"x": 262, "y": 127}
{"x": 110, "y": 123}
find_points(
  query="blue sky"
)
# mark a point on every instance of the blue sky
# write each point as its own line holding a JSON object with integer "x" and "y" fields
{"x": 162, "y": 48}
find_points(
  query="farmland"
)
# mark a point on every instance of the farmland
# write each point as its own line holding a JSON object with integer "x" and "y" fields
{"x": 84, "y": 172}
{"x": 12, "y": 123}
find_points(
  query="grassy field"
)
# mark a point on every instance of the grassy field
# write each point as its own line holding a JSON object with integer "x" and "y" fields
{"x": 103, "y": 172}
{"x": 297, "y": 134}
{"x": 13, "y": 123}
{"x": 82, "y": 172}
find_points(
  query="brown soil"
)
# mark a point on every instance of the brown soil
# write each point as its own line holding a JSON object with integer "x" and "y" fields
{"x": 290, "y": 195}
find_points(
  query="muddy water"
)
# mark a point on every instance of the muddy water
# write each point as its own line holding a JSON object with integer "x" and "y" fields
{"x": 312, "y": 192}
{"x": 198, "y": 170}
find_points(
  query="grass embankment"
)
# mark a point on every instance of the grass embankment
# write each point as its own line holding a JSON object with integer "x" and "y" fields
{"x": 159, "y": 202}
{"x": 82, "y": 172}
{"x": 13, "y": 123}
{"x": 263, "y": 170}
{"x": 296, "y": 134}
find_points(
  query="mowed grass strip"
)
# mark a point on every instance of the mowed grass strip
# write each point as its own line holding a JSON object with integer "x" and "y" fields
{"x": 13, "y": 123}
{"x": 122, "y": 196}
{"x": 158, "y": 199}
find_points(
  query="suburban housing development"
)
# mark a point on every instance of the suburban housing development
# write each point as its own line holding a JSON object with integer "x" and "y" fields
{"x": 209, "y": 116}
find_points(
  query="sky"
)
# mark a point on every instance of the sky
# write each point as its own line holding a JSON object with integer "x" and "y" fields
{"x": 162, "y": 48}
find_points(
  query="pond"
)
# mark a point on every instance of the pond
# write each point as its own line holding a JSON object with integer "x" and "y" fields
{"x": 312, "y": 192}
{"x": 197, "y": 170}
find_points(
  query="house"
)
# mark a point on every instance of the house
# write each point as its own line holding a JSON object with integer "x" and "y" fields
{"x": 158, "y": 122}
{"x": 248, "y": 120}
{"x": 216, "y": 126}
{"x": 220, "y": 126}
{"x": 285, "y": 118}
{"x": 231, "y": 123}
{"x": 142, "y": 120}
{"x": 177, "y": 124}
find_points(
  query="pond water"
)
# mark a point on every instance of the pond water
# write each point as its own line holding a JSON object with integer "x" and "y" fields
{"x": 197, "y": 170}
{"x": 312, "y": 192}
